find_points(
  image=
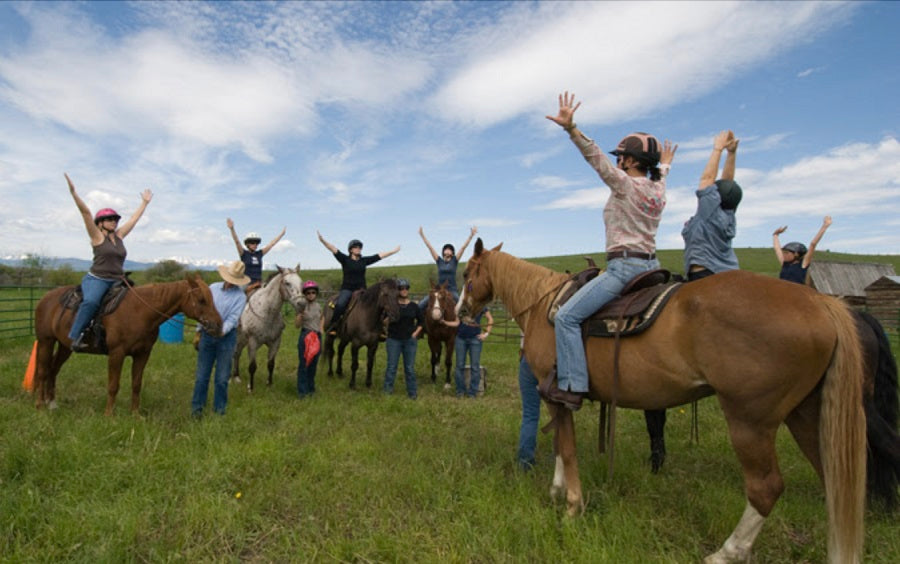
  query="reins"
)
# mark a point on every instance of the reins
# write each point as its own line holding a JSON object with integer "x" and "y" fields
{"x": 153, "y": 309}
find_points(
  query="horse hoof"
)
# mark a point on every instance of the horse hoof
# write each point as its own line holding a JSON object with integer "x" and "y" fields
{"x": 447, "y": 386}
{"x": 236, "y": 379}
{"x": 52, "y": 405}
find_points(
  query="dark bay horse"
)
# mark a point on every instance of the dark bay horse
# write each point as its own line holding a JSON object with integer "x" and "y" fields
{"x": 441, "y": 306}
{"x": 881, "y": 407}
{"x": 131, "y": 330}
{"x": 772, "y": 352}
{"x": 361, "y": 327}
{"x": 261, "y": 322}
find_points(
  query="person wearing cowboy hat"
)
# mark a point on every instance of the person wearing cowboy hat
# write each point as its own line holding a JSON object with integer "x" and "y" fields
{"x": 229, "y": 299}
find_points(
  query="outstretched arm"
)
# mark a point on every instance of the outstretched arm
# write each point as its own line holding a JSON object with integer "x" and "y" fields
{"x": 92, "y": 230}
{"x": 328, "y": 245}
{"x": 434, "y": 255}
{"x": 807, "y": 259}
{"x": 385, "y": 254}
{"x": 708, "y": 176}
{"x": 730, "y": 159}
{"x": 274, "y": 241}
{"x": 125, "y": 229}
{"x": 462, "y": 249}
{"x": 237, "y": 242}
{"x": 777, "y": 244}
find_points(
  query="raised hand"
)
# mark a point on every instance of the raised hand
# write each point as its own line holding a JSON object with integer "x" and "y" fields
{"x": 567, "y": 107}
{"x": 780, "y": 230}
{"x": 668, "y": 152}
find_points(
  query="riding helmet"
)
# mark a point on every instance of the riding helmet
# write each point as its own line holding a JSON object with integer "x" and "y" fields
{"x": 642, "y": 146}
{"x": 731, "y": 193}
{"x": 798, "y": 249}
{"x": 354, "y": 243}
{"x": 310, "y": 285}
{"x": 251, "y": 238}
{"x": 106, "y": 213}
{"x": 402, "y": 283}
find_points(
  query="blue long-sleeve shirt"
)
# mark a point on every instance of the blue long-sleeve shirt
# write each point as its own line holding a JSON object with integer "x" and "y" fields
{"x": 229, "y": 303}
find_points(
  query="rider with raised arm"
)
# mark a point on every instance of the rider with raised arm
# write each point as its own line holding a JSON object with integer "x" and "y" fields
{"x": 794, "y": 258}
{"x": 108, "y": 264}
{"x": 631, "y": 215}
{"x": 252, "y": 255}
{"x": 447, "y": 263}
{"x": 353, "y": 268}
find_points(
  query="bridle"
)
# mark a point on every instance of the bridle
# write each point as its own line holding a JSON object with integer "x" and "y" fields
{"x": 168, "y": 317}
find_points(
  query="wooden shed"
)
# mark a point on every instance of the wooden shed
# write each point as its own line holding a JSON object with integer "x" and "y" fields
{"x": 847, "y": 280}
{"x": 883, "y": 301}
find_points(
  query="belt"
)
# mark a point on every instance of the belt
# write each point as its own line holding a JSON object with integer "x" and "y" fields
{"x": 630, "y": 254}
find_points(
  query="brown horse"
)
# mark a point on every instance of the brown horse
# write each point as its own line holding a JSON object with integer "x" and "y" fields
{"x": 772, "y": 352}
{"x": 361, "y": 327}
{"x": 131, "y": 330}
{"x": 441, "y": 306}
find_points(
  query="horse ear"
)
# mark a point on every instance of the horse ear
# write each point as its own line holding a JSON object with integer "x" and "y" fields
{"x": 479, "y": 246}
{"x": 298, "y": 268}
{"x": 497, "y": 248}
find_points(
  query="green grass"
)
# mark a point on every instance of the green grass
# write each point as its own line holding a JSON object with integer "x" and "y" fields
{"x": 358, "y": 476}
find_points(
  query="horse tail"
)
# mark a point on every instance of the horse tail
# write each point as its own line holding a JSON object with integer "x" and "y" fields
{"x": 842, "y": 438}
{"x": 883, "y": 468}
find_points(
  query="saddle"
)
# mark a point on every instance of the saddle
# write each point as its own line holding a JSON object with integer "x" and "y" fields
{"x": 638, "y": 305}
{"x": 96, "y": 332}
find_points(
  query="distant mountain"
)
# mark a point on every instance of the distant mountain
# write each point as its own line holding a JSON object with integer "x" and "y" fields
{"x": 81, "y": 265}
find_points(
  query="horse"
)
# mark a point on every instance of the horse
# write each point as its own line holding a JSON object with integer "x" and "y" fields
{"x": 771, "y": 351}
{"x": 131, "y": 330}
{"x": 261, "y": 322}
{"x": 361, "y": 326}
{"x": 441, "y": 305}
{"x": 880, "y": 403}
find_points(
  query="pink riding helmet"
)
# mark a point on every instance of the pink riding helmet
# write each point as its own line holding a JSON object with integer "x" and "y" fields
{"x": 310, "y": 285}
{"x": 106, "y": 213}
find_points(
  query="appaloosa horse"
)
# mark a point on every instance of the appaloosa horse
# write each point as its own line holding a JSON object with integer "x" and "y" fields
{"x": 361, "y": 326}
{"x": 131, "y": 330}
{"x": 772, "y": 353}
{"x": 441, "y": 307}
{"x": 261, "y": 322}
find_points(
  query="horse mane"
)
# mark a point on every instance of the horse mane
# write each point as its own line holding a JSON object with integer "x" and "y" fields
{"x": 370, "y": 294}
{"x": 531, "y": 282}
{"x": 271, "y": 276}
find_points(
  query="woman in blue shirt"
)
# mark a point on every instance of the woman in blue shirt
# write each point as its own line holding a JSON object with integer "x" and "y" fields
{"x": 447, "y": 263}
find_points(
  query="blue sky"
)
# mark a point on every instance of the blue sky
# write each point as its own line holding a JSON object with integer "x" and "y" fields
{"x": 366, "y": 120}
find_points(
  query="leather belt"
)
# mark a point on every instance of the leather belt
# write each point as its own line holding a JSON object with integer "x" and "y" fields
{"x": 630, "y": 254}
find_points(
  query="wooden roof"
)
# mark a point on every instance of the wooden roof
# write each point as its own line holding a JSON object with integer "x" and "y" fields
{"x": 837, "y": 278}
{"x": 885, "y": 280}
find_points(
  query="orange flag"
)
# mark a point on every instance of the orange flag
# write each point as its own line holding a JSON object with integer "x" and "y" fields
{"x": 28, "y": 382}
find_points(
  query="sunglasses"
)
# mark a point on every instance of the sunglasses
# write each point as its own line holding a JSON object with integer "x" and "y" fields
{"x": 113, "y": 219}
{"x": 403, "y": 288}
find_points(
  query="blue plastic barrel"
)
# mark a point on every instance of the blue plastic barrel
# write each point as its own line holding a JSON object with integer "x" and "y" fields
{"x": 172, "y": 331}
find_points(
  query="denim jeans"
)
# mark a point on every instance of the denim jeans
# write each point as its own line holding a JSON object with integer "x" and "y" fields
{"x": 306, "y": 375}
{"x": 571, "y": 365}
{"x": 396, "y": 347}
{"x": 472, "y": 346}
{"x": 531, "y": 415}
{"x": 218, "y": 351}
{"x": 340, "y": 304}
{"x": 93, "y": 289}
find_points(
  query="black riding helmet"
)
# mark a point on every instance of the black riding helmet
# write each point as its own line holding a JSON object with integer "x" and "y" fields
{"x": 795, "y": 247}
{"x": 642, "y": 146}
{"x": 354, "y": 243}
{"x": 731, "y": 193}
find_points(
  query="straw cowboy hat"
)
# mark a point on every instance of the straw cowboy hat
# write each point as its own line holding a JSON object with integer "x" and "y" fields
{"x": 234, "y": 273}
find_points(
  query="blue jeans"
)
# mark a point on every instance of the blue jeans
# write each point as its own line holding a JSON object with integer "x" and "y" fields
{"x": 93, "y": 289}
{"x": 306, "y": 375}
{"x": 571, "y": 365}
{"x": 531, "y": 415}
{"x": 340, "y": 304}
{"x": 218, "y": 351}
{"x": 396, "y": 347}
{"x": 472, "y": 346}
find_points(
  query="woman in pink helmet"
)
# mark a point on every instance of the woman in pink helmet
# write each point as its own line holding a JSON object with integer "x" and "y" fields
{"x": 637, "y": 197}
{"x": 109, "y": 259}
{"x": 309, "y": 320}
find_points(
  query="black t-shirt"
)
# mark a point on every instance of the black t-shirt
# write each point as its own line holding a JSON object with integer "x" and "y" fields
{"x": 409, "y": 317}
{"x": 354, "y": 270}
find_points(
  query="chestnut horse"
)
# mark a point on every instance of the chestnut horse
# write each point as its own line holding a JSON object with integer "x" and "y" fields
{"x": 362, "y": 326}
{"x": 131, "y": 330}
{"x": 773, "y": 352}
{"x": 441, "y": 306}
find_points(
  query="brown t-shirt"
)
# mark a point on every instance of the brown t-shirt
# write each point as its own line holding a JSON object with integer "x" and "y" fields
{"x": 109, "y": 259}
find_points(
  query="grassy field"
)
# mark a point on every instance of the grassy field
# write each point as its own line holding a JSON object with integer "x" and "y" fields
{"x": 362, "y": 477}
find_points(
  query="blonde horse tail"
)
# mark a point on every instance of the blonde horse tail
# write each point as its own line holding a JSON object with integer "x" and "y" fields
{"x": 842, "y": 439}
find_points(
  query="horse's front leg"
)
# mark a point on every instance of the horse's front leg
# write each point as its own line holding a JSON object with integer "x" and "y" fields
{"x": 251, "y": 366}
{"x": 354, "y": 364}
{"x": 370, "y": 363}
{"x": 236, "y": 363}
{"x": 114, "y": 373}
{"x": 448, "y": 361}
{"x": 138, "y": 362}
{"x": 566, "y": 457}
{"x": 273, "y": 352}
